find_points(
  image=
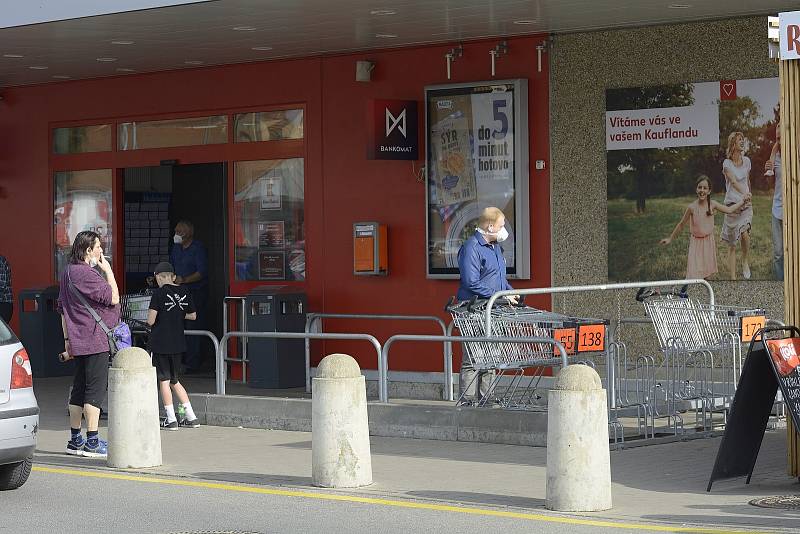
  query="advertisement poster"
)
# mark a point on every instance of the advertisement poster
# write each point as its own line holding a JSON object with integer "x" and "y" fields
{"x": 271, "y": 190}
{"x": 690, "y": 191}
{"x": 476, "y": 158}
{"x": 271, "y": 265}
{"x": 278, "y": 186}
{"x": 271, "y": 234}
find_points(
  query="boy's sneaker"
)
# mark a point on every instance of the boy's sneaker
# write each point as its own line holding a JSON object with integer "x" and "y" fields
{"x": 169, "y": 425}
{"x": 190, "y": 423}
{"x": 95, "y": 448}
{"x": 75, "y": 445}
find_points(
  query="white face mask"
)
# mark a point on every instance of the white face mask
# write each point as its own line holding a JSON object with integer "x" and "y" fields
{"x": 502, "y": 235}
{"x": 177, "y": 239}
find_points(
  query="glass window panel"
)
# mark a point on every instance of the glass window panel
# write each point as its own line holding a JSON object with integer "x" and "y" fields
{"x": 78, "y": 139}
{"x": 174, "y": 132}
{"x": 82, "y": 202}
{"x": 270, "y": 241}
{"x": 268, "y": 125}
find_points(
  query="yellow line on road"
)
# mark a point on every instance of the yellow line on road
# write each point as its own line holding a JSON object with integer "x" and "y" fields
{"x": 383, "y": 502}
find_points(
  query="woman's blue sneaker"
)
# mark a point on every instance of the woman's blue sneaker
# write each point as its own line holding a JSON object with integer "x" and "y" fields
{"x": 95, "y": 448}
{"x": 75, "y": 445}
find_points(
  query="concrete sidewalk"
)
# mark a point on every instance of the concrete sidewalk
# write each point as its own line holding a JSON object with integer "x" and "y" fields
{"x": 656, "y": 484}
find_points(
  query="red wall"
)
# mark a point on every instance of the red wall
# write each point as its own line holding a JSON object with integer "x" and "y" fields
{"x": 342, "y": 186}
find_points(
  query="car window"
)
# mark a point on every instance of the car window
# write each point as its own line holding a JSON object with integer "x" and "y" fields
{"x": 6, "y": 335}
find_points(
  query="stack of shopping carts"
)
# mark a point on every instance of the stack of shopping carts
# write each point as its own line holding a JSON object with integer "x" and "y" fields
{"x": 514, "y": 369}
{"x": 701, "y": 360}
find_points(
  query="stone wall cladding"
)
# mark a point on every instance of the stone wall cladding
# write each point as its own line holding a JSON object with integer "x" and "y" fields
{"x": 583, "y": 66}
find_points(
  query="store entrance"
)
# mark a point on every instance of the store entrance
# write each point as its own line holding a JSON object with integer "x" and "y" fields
{"x": 156, "y": 199}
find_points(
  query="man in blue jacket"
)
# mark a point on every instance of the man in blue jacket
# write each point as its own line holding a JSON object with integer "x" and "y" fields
{"x": 190, "y": 261}
{"x": 483, "y": 273}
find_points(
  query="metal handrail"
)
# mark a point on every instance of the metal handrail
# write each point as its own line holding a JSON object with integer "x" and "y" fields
{"x": 242, "y": 326}
{"x": 222, "y": 355}
{"x": 314, "y": 318}
{"x": 383, "y": 388}
{"x": 215, "y": 341}
{"x": 210, "y": 335}
{"x": 598, "y": 287}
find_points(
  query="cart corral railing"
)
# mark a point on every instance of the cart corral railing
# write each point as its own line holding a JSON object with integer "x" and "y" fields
{"x": 599, "y": 287}
{"x": 494, "y": 339}
{"x": 315, "y": 319}
{"x": 222, "y": 353}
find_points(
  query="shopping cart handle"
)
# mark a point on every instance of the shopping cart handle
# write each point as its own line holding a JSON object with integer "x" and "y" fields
{"x": 644, "y": 293}
{"x": 450, "y": 304}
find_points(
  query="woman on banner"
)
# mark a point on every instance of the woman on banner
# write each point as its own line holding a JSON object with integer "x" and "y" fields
{"x": 736, "y": 226}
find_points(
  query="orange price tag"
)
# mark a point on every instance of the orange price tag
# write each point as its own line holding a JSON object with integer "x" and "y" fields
{"x": 751, "y": 325}
{"x": 591, "y": 338}
{"x": 566, "y": 336}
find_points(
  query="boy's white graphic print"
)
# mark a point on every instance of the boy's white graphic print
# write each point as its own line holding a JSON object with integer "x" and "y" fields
{"x": 176, "y": 300}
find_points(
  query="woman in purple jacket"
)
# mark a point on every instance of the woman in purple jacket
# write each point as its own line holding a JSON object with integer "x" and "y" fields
{"x": 85, "y": 340}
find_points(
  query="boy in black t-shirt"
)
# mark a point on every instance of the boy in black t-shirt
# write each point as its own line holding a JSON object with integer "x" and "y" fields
{"x": 169, "y": 306}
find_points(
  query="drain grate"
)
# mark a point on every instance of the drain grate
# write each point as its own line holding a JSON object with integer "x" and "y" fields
{"x": 784, "y": 502}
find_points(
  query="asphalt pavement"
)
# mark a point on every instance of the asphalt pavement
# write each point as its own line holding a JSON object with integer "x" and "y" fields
{"x": 260, "y": 480}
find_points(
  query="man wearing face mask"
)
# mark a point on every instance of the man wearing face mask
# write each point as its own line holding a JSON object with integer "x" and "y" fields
{"x": 190, "y": 261}
{"x": 483, "y": 273}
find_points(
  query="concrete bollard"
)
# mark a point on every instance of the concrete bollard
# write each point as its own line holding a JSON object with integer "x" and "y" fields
{"x": 340, "y": 453}
{"x": 134, "y": 438}
{"x": 578, "y": 458}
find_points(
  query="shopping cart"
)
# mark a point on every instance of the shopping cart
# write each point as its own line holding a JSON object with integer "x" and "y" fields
{"x": 701, "y": 346}
{"x": 514, "y": 370}
{"x": 134, "y": 310}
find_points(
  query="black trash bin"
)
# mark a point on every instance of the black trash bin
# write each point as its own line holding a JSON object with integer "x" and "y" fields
{"x": 276, "y": 363}
{"x": 41, "y": 333}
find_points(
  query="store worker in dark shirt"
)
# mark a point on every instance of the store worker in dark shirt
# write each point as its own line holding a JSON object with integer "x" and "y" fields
{"x": 170, "y": 305}
{"x": 190, "y": 260}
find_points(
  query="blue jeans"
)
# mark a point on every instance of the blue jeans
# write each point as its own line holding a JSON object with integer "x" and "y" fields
{"x": 777, "y": 247}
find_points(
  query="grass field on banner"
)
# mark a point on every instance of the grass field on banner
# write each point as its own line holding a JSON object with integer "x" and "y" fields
{"x": 634, "y": 253}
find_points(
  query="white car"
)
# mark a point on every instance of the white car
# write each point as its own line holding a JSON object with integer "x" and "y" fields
{"x": 19, "y": 412}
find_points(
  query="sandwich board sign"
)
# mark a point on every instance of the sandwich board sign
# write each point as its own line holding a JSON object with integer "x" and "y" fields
{"x": 771, "y": 364}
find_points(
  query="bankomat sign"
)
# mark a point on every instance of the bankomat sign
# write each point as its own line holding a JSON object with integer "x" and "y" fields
{"x": 790, "y": 35}
{"x": 393, "y": 130}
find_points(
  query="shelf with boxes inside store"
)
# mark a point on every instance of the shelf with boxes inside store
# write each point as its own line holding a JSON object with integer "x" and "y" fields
{"x": 147, "y": 232}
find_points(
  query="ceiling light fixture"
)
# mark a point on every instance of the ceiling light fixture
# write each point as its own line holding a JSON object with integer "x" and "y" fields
{"x": 38, "y": 67}
{"x": 525, "y": 22}
{"x": 193, "y": 62}
{"x": 106, "y": 59}
{"x": 13, "y": 56}
{"x": 385, "y": 35}
{"x": 244, "y": 28}
{"x": 262, "y": 48}
{"x": 122, "y": 42}
{"x": 383, "y": 12}
{"x": 123, "y": 69}
{"x": 679, "y": 6}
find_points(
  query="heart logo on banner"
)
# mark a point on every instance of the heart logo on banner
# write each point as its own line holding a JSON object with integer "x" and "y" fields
{"x": 727, "y": 89}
